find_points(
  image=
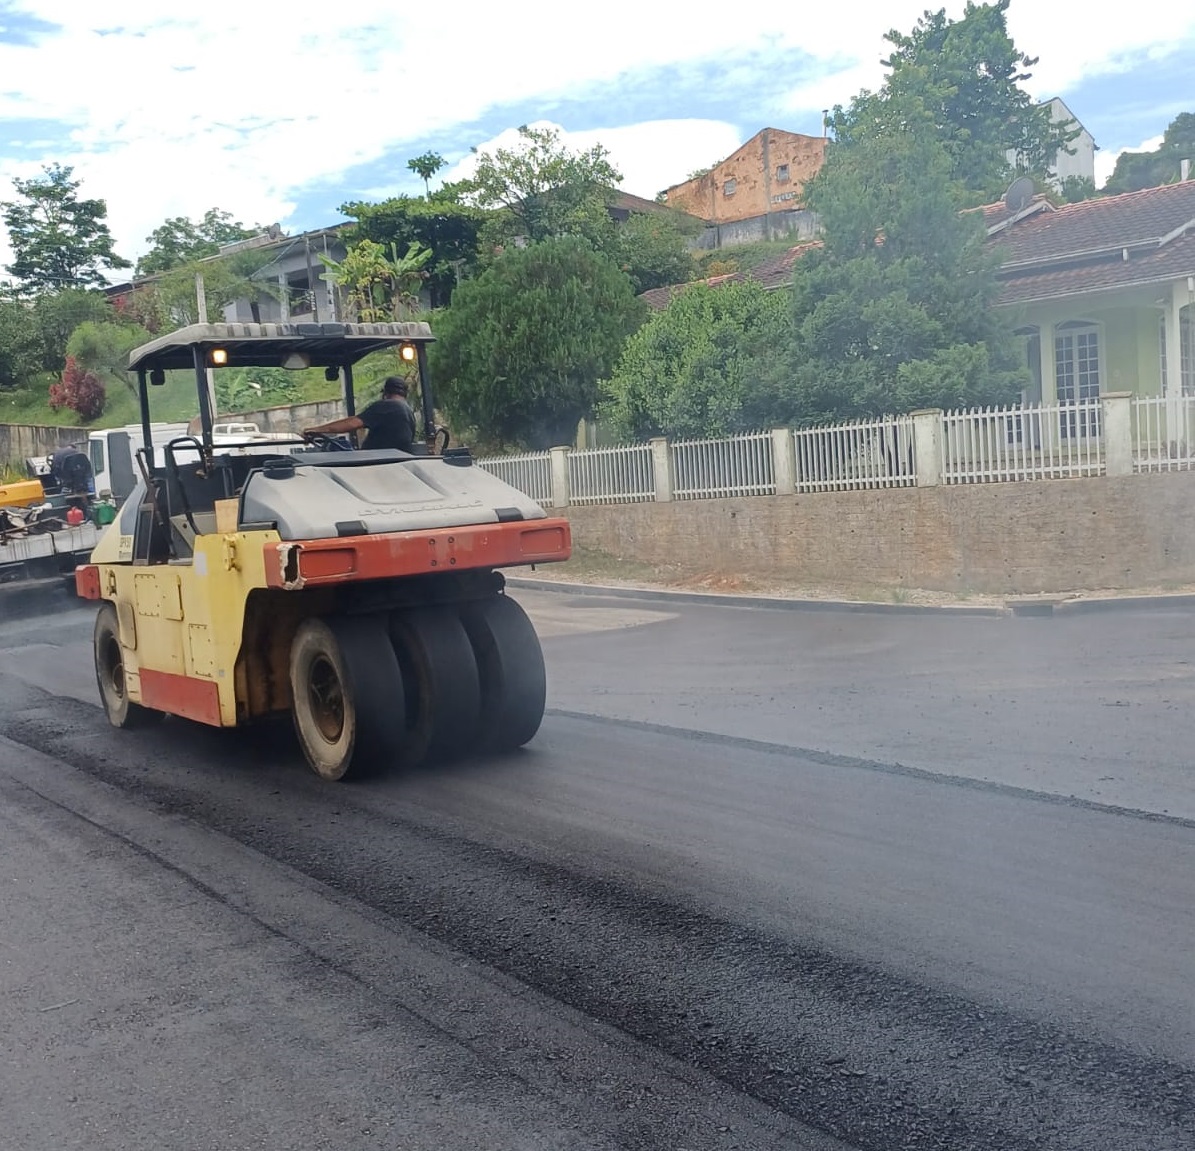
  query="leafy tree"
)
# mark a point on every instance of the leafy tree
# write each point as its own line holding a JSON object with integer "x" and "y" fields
{"x": 425, "y": 167}
{"x": 653, "y": 250}
{"x": 144, "y": 307}
{"x": 1076, "y": 189}
{"x": 104, "y": 347}
{"x": 694, "y": 369}
{"x": 522, "y": 348}
{"x": 449, "y": 229}
{"x": 1137, "y": 170}
{"x": 79, "y": 390}
{"x": 172, "y": 297}
{"x": 962, "y": 78}
{"x": 895, "y": 311}
{"x": 58, "y": 314}
{"x": 377, "y": 286}
{"x": 20, "y": 343}
{"x": 182, "y": 241}
{"x": 247, "y": 389}
{"x": 542, "y": 189}
{"x": 58, "y": 240}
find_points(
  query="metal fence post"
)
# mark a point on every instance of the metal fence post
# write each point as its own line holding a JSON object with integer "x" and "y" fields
{"x": 560, "y": 485}
{"x": 784, "y": 461}
{"x": 661, "y": 459}
{"x": 927, "y": 446}
{"x": 1118, "y": 433}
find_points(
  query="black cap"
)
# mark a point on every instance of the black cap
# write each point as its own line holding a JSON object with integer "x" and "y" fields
{"x": 394, "y": 386}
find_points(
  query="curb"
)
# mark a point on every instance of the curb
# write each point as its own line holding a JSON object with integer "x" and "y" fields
{"x": 1043, "y": 607}
{"x": 1125, "y": 603}
{"x": 38, "y": 597}
{"x": 717, "y": 599}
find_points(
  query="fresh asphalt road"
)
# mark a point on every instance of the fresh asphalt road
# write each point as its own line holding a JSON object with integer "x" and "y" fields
{"x": 765, "y": 878}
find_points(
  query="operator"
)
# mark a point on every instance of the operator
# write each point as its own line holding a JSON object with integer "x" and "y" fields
{"x": 390, "y": 421}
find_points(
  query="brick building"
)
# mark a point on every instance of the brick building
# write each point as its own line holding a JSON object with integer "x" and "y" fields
{"x": 757, "y": 191}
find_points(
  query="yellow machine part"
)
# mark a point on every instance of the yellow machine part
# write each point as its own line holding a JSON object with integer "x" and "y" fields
{"x": 21, "y": 494}
{"x": 187, "y": 622}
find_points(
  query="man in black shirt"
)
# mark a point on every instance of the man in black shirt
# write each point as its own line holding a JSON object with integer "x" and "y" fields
{"x": 389, "y": 421}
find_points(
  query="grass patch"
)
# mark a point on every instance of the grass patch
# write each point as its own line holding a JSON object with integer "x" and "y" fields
{"x": 172, "y": 402}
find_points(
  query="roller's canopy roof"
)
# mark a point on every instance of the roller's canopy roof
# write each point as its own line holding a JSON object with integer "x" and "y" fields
{"x": 267, "y": 345}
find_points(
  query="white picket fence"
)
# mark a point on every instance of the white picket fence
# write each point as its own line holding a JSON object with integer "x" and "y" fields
{"x": 1164, "y": 434}
{"x": 1043, "y": 442}
{"x": 737, "y": 466}
{"x": 969, "y": 446}
{"x": 621, "y": 475}
{"x": 530, "y": 473}
{"x": 863, "y": 454}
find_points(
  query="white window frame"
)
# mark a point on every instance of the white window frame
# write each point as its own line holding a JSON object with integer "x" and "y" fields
{"x": 1186, "y": 344}
{"x": 1084, "y": 422}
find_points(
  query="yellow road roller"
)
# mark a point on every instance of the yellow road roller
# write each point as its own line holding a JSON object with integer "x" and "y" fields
{"x": 360, "y": 590}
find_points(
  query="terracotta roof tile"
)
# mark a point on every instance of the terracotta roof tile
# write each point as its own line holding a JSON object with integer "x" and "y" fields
{"x": 1064, "y": 251}
{"x": 1154, "y": 265}
{"x": 1103, "y": 223}
{"x": 773, "y": 273}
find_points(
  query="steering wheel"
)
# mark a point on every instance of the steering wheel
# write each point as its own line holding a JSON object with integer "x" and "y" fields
{"x": 326, "y": 443}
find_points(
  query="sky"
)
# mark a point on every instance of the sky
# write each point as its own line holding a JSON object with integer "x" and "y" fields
{"x": 282, "y": 113}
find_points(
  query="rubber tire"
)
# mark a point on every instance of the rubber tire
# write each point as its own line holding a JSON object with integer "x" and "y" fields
{"x": 122, "y": 712}
{"x": 357, "y": 652}
{"x": 514, "y": 682}
{"x": 442, "y": 683}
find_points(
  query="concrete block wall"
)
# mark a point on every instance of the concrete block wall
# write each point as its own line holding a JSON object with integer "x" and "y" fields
{"x": 1026, "y": 538}
{"x": 19, "y": 442}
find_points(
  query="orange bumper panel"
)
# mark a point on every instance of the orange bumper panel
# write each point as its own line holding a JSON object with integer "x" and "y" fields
{"x": 87, "y": 581}
{"x": 185, "y": 695}
{"x": 312, "y": 563}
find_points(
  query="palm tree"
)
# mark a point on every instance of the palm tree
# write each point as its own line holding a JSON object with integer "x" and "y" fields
{"x": 426, "y": 166}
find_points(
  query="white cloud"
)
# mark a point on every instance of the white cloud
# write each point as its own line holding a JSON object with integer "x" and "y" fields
{"x": 650, "y": 156}
{"x": 237, "y": 105}
{"x": 1070, "y": 44}
{"x": 1106, "y": 161}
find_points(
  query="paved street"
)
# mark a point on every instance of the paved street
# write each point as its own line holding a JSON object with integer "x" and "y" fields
{"x": 765, "y": 879}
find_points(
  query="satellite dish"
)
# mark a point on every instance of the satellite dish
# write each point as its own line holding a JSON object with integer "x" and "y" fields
{"x": 1020, "y": 194}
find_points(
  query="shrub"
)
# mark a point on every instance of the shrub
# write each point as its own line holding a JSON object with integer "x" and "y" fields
{"x": 79, "y": 390}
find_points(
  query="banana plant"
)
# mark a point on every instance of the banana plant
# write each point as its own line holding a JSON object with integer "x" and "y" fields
{"x": 376, "y": 285}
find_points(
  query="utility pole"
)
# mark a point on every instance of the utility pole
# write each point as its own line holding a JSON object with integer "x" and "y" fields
{"x": 311, "y": 280}
{"x": 201, "y": 300}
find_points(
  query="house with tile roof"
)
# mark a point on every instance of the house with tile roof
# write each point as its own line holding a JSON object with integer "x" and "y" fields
{"x": 1103, "y": 292}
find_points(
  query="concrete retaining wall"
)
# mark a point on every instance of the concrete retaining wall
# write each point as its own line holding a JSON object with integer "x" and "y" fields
{"x": 293, "y": 418}
{"x": 18, "y": 442}
{"x": 1003, "y": 539}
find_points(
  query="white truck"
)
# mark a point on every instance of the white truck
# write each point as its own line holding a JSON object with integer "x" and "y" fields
{"x": 113, "y": 450}
{"x": 40, "y": 540}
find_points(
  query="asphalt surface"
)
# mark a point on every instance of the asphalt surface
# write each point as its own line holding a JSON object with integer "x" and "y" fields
{"x": 764, "y": 879}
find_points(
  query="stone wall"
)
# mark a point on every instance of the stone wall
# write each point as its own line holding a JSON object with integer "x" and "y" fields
{"x": 1002, "y": 538}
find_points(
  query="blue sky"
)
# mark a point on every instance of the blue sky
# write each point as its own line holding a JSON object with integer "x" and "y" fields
{"x": 282, "y": 114}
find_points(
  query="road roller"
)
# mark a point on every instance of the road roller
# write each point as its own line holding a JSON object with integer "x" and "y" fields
{"x": 360, "y": 590}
